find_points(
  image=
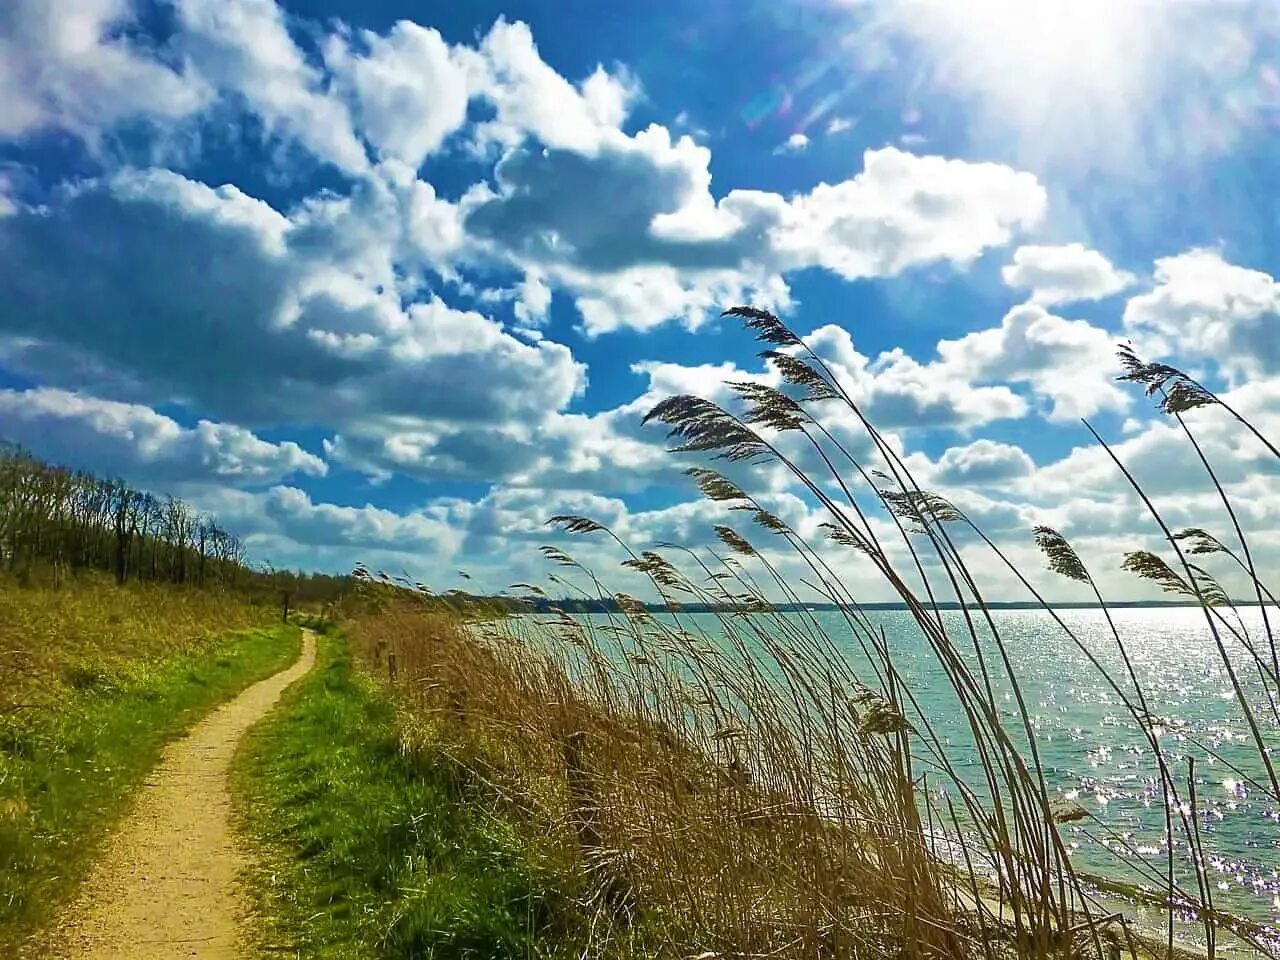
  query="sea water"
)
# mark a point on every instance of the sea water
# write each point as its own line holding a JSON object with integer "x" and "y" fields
{"x": 1091, "y": 750}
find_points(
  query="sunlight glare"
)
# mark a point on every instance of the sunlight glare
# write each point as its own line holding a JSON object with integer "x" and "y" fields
{"x": 1082, "y": 81}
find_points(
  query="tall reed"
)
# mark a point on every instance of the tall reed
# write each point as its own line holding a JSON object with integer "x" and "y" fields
{"x": 753, "y": 782}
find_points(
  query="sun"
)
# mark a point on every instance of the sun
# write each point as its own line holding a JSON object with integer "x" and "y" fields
{"x": 1085, "y": 82}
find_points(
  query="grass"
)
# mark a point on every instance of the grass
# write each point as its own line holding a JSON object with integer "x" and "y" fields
{"x": 369, "y": 850}
{"x": 66, "y": 773}
{"x": 52, "y": 637}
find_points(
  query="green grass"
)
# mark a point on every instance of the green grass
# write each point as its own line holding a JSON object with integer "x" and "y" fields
{"x": 366, "y": 852}
{"x": 67, "y": 771}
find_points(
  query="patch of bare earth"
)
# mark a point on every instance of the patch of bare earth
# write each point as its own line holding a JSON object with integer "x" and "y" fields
{"x": 167, "y": 885}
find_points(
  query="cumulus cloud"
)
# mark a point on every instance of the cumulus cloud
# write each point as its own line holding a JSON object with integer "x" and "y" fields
{"x": 304, "y": 521}
{"x": 897, "y": 391}
{"x": 1163, "y": 460}
{"x": 1064, "y": 274}
{"x": 903, "y": 210}
{"x": 135, "y": 442}
{"x": 410, "y": 89}
{"x": 1069, "y": 362}
{"x": 244, "y": 48}
{"x": 124, "y": 286}
{"x": 901, "y": 392}
{"x": 894, "y": 390}
{"x": 147, "y": 288}
{"x": 610, "y": 451}
{"x": 670, "y": 249}
{"x": 9, "y": 179}
{"x": 71, "y": 64}
{"x": 510, "y": 523}
{"x": 531, "y": 99}
{"x": 1204, "y": 306}
{"x": 983, "y": 463}
{"x": 515, "y": 518}
{"x": 288, "y": 528}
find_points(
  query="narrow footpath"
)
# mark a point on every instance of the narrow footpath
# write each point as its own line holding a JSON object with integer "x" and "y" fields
{"x": 167, "y": 885}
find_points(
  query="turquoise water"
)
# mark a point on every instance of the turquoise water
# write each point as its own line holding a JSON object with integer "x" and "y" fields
{"x": 1093, "y": 752}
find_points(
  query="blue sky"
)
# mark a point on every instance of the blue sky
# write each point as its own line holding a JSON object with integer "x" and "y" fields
{"x": 394, "y": 282}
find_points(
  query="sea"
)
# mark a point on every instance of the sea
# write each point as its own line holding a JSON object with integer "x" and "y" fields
{"x": 1092, "y": 751}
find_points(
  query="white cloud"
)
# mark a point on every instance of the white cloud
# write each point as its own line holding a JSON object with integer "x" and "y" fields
{"x": 503, "y": 530}
{"x": 903, "y": 210}
{"x": 1203, "y": 306}
{"x": 70, "y": 64}
{"x": 136, "y": 442}
{"x": 286, "y": 527}
{"x": 409, "y": 88}
{"x": 796, "y": 143}
{"x": 1069, "y": 362}
{"x": 894, "y": 390}
{"x": 367, "y": 526}
{"x": 8, "y": 189}
{"x": 531, "y": 98}
{"x": 1064, "y": 274}
{"x": 983, "y": 463}
{"x": 901, "y": 392}
{"x": 609, "y": 95}
{"x": 340, "y": 321}
{"x": 669, "y": 249}
{"x": 515, "y": 517}
{"x": 244, "y": 47}
{"x": 533, "y": 300}
{"x": 686, "y": 123}
{"x": 125, "y": 283}
{"x": 837, "y": 125}
{"x": 1164, "y": 462}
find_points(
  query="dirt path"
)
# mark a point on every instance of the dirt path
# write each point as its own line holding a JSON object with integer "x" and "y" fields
{"x": 166, "y": 886}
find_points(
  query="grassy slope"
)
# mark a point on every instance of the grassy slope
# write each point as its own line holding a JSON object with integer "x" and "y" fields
{"x": 66, "y": 773}
{"x": 51, "y": 636}
{"x": 366, "y": 852}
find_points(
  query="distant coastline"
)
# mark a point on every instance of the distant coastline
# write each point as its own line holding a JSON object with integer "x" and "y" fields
{"x": 578, "y": 605}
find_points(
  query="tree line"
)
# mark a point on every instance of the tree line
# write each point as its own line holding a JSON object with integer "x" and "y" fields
{"x": 69, "y": 521}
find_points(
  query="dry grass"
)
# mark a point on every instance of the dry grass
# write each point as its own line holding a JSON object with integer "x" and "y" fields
{"x": 78, "y": 633}
{"x": 679, "y": 791}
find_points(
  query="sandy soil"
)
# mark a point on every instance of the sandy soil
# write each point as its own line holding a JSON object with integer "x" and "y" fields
{"x": 167, "y": 883}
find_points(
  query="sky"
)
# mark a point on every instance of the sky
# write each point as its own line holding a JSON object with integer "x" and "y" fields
{"x": 393, "y": 283}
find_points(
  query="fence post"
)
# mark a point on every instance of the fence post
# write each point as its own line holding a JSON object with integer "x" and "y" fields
{"x": 284, "y": 615}
{"x": 583, "y": 809}
{"x": 457, "y": 705}
{"x": 391, "y": 666}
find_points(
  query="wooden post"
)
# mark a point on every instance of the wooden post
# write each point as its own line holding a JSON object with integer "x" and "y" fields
{"x": 391, "y": 666}
{"x": 457, "y": 704}
{"x": 284, "y": 614}
{"x": 584, "y": 811}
